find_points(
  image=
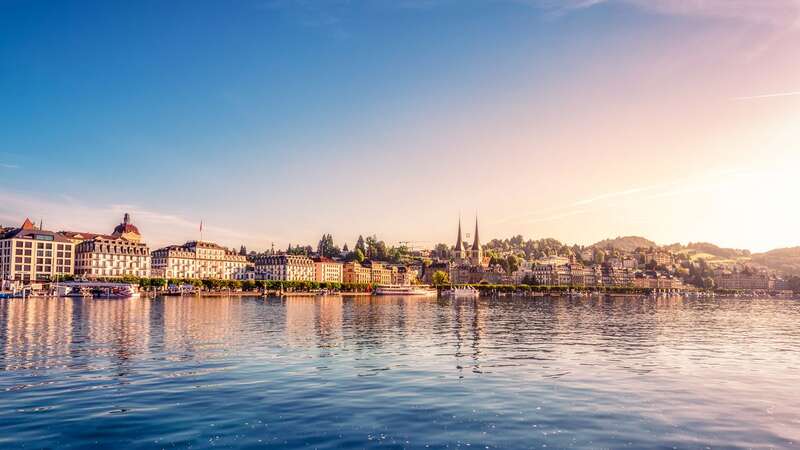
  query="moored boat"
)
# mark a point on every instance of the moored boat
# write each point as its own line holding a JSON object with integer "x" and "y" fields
{"x": 462, "y": 292}
{"x": 403, "y": 290}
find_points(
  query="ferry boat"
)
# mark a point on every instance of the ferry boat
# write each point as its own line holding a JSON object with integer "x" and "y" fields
{"x": 463, "y": 292}
{"x": 403, "y": 290}
{"x": 119, "y": 291}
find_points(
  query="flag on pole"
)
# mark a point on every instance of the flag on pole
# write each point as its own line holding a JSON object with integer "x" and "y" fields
{"x": 201, "y": 226}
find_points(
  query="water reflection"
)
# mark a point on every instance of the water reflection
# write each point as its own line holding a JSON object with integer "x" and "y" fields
{"x": 564, "y": 372}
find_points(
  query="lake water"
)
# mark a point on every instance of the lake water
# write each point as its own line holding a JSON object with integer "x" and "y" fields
{"x": 399, "y": 373}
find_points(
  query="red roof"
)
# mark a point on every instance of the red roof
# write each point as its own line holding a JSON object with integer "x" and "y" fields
{"x": 126, "y": 228}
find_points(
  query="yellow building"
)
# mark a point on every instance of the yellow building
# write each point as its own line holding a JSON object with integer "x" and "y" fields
{"x": 380, "y": 273}
{"x": 355, "y": 273}
{"x": 327, "y": 270}
{"x": 31, "y": 254}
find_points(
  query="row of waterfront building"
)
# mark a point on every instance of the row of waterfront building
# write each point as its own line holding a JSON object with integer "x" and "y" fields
{"x": 32, "y": 254}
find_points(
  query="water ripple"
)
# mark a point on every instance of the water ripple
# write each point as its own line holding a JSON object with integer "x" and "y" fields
{"x": 405, "y": 373}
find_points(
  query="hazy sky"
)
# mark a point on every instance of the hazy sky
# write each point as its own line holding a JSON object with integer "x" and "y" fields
{"x": 277, "y": 121}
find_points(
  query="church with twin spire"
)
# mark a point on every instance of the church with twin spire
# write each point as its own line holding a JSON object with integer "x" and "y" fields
{"x": 463, "y": 254}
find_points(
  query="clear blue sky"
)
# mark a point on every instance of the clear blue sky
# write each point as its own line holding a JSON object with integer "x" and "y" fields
{"x": 282, "y": 120}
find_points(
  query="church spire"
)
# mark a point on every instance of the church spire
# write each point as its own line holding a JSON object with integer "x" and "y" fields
{"x": 460, "y": 241}
{"x": 476, "y": 244}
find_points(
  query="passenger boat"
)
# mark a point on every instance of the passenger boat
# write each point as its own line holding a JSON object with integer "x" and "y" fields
{"x": 119, "y": 291}
{"x": 403, "y": 290}
{"x": 463, "y": 292}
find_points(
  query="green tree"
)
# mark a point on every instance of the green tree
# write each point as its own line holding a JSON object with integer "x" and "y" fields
{"x": 158, "y": 283}
{"x": 381, "y": 252}
{"x": 359, "y": 255}
{"x": 372, "y": 243}
{"x": 599, "y": 257}
{"x": 360, "y": 245}
{"x": 440, "y": 278}
{"x": 512, "y": 264}
{"x": 325, "y": 247}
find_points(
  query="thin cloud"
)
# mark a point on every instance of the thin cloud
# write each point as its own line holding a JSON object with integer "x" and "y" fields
{"x": 771, "y": 12}
{"x": 9, "y": 166}
{"x": 610, "y": 195}
{"x": 65, "y": 213}
{"x": 711, "y": 180}
{"x": 777, "y": 94}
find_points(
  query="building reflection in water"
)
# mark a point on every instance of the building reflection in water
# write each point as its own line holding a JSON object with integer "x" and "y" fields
{"x": 36, "y": 333}
{"x": 482, "y": 335}
{"x": 468, "y": 330}
{"x": 330, "y": 322}
{"x": 301, "y": 321}
{"x": 116, "y": 329}
{"x": 200, "y": 327}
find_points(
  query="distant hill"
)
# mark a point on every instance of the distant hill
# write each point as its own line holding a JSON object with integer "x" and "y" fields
{"x": 720, "y": 252}
{"x": 627, "y": 243}
{"x": 786, "y": 260}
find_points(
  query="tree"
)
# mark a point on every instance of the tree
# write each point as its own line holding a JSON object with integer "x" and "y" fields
{"x": 440, "y": 278}
{"x": 158, "y": 283}
{"x": 360, "y": 245}
{"x": 794, "y": 284}
{"x": 381, "y": 253}
{"x": 512, "y": 264}
{"x": 441, "y": 251}
{"x": 345, "y": 250}
{"x": 299, "y": 250}
{"x": 372, "y": 242}
{"x": 359, "y": 255}
{"x": 326, "y": 247}
{"x": 599, "y": 257}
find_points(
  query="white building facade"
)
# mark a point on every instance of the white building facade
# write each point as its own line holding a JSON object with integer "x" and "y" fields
{"x": 197, "y": 260}
{"x": 119, "y": 254}
{"x": 284, "y": 268}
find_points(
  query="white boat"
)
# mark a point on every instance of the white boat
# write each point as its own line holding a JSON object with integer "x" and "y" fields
{"x": 403, "y": 290}
{"x": 463, "y": 292}
{"x": 117, "y": 291}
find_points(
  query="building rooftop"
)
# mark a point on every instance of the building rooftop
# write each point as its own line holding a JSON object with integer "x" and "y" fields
{"x": 126, "y": 226}
{"x": 324, "y": 259}
{"x": 29, "y": 231}
{"x": 84, "y": 236}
